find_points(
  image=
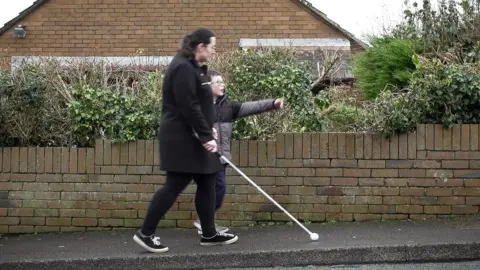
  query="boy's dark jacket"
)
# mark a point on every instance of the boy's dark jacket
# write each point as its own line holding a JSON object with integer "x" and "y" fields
{"x": 228, "y": 111}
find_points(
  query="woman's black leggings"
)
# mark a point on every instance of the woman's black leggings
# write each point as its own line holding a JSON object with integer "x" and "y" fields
{"x": 164, "y": 198}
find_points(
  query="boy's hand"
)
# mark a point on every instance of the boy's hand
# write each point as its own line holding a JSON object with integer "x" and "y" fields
{"x": 278, "y": 104}
{"x": 215, "y": 134}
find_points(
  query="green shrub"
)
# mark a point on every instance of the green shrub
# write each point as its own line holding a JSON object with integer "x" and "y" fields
{"x": 393, "y": 113}
{"x": 344, "y": 118}
{"x": 33, "y": 112}
{"x": 4, "y": 84}
{"x": 452, "y": 92}
{"x": 94, "y": 113}
{"x": 272, "y": 73}
{"x": 438, "y": 94}
{"x": 387, "y": 64}
{"x": 453, "y": 28}
{"x": 445, "y": 87}
{"x": 108, "y": 113}
{"x": 47, "y": 105}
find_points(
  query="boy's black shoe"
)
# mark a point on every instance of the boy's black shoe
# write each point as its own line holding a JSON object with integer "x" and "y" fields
{"x": 222, "y": 229}
{"x": 219, "y": 239}
{"x": 150, "y": 243}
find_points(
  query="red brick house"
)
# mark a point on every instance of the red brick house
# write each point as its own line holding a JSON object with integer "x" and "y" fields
{"x": 153, "y": 29}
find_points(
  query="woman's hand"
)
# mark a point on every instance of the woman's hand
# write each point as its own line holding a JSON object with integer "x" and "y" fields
{"x": 211, "y": 146}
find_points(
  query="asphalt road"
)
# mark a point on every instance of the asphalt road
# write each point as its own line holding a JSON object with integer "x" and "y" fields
{"x": 471, "y": 265}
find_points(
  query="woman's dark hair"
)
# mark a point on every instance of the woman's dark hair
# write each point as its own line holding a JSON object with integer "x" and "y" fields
{"x": 191, "y": 41}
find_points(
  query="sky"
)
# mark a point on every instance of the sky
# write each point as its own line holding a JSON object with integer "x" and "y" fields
{"x": 355, "y": 16}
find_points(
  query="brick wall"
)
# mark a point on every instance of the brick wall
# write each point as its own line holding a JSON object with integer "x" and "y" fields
{"x": 318, "y": 177}
{"x": 121, "y": 27}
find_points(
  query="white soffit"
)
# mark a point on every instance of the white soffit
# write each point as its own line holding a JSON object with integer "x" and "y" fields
{"x": 294, "y": 42}
{"x": 17, "y": 61}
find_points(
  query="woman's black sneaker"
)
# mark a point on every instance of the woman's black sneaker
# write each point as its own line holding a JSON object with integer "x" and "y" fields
{"x": 219, "y": 239}
{"x": 150, "y": 243}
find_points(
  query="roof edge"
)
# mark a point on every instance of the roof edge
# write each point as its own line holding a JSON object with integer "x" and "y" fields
{"x": 22, "y": 15}
{"x": 303, "y": 3}
{"x": 322, "y": 16}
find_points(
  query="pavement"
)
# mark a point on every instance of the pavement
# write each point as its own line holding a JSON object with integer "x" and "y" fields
{"x": 468, "y": 265}
{"x": 355, "y": 243}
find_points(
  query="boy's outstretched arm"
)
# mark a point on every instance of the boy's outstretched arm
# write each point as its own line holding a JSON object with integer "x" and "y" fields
{"x": 243, "y": 109}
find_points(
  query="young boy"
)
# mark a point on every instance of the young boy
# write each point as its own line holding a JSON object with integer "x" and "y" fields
{"x": 227, "y": 112}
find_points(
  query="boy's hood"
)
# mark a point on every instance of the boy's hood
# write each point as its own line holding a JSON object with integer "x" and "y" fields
{"x": 220, "y": 99}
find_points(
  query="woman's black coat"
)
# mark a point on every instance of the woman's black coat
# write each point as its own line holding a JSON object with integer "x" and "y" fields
{"x": 188, "y": 115}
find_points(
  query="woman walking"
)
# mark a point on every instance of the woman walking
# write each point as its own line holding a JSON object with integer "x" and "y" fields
{"x": 187, "y": 143}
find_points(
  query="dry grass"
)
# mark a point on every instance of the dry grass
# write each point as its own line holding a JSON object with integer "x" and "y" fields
{"x": 347, "y": 95}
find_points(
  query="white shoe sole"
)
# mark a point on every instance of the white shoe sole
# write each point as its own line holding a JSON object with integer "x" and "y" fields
{"x": 142, "y": 244}
{"x": 199, "y": 229}
{"x": 231, "y": 241}
{"x": 221, "y": 231}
